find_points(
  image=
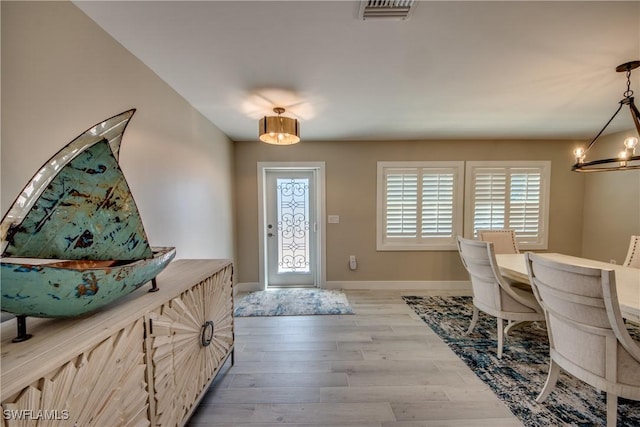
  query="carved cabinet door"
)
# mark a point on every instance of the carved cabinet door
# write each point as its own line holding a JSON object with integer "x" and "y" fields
{"x": 104, "y": 385}
{"x": 188, "y": 340}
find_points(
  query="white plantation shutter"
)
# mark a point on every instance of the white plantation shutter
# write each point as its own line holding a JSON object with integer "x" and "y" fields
{"x": 524, "y": 212}
{"x": 419, "y": 205}
{"x": 437, "y": 204}
{"x": 509, "y": 195}
{"x": 402, "y": 204}
{"x": 490, "y": 200}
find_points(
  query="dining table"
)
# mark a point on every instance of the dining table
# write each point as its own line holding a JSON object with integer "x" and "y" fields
{"x": 513, "y": 266}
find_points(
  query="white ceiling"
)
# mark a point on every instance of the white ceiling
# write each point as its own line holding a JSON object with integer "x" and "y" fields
{"x": 506, "y": 69}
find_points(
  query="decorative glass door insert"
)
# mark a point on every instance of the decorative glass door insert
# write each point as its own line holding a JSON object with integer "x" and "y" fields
{"x": 293, "y": 224}
{"x": 290, "y": 228}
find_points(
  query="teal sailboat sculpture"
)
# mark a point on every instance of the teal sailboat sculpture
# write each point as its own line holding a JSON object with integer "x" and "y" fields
{"x": 73, "y": 241}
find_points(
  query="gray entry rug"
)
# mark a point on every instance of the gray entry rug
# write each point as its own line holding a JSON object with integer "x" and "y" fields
{"x": 518, "y": 377}
{"x": 293, "y": 302}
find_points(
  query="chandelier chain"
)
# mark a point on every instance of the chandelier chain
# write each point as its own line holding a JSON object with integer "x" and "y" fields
{"x": 628, "y": 93}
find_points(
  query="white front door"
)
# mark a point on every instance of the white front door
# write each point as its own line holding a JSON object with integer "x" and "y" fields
{"x": 290, "y": 228}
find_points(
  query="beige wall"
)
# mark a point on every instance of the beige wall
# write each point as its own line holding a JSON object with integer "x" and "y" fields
{"x": 611, "y": 205}
{"x": 351, "y": 193}
{"x": 61, "y": 74}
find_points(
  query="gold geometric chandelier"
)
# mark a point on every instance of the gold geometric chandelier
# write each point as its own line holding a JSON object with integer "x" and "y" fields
{"x": 627, "y": 158}
{"x": 279, "y": 130}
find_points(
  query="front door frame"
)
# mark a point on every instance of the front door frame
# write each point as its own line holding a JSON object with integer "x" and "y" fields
{"x": 318, "y": 169}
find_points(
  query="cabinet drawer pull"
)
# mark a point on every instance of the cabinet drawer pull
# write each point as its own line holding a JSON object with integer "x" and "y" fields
{"x": 207, "y": 333}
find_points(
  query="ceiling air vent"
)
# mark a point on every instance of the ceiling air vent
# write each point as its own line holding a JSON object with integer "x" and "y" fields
{"x": 386, "y": 9}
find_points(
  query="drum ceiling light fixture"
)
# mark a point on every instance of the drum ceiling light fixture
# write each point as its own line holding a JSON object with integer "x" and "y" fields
{"x": 279, "y": 130}
{"x": 627, "y": 158}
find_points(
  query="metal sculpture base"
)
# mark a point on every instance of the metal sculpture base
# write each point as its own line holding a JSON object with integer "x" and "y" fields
{"x": 22, "y": 329}
{"x": 154, "y": 286}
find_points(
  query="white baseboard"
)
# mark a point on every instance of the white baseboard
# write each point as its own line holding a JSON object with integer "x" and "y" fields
{"x": 247, "y": 287}
{"x": 434, "y": 285}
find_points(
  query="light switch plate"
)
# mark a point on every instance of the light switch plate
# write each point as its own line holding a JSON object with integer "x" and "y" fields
{"x": 334, "y": 219}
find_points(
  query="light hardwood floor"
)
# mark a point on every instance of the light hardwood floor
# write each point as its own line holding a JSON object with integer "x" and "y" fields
{"x": 382, "y": 367}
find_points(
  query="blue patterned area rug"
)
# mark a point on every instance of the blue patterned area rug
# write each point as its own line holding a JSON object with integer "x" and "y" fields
{"x": 293, "y": 302}
{"x": 519, "y": 376}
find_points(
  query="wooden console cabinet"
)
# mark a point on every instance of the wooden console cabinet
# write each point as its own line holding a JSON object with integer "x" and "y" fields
{"x": 146, "y": 360}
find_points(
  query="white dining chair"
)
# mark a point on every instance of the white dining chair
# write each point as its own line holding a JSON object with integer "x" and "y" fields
{"x": 587, "y": 335}
{"x": 492, "y": 294}
{"x": 504, "y": 240}
{"x": 633, "y": 253}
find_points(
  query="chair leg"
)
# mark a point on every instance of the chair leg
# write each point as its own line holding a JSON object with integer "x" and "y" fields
{"x": 552, "y": 379}
{"x": 500, "y": 336}
{"x": 474, "y": 320}
{"x": 514, "y": 325}
{"x": 612, "y": 410}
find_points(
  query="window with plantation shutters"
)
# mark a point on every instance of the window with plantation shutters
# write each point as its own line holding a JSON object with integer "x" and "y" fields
{"x": 419, "y": 205}
{"x": 401, "y": 204}
{"x": 511, "y": 195}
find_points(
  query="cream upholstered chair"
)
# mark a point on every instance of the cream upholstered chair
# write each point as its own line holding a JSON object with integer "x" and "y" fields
{"x": 633, "y": 254}
{"x": 504, "y": 240}
{"x": 491, "y": 293}
{"x": 587, "y": 336}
